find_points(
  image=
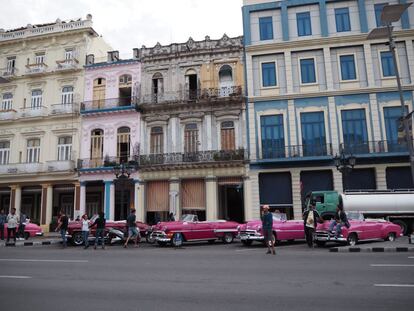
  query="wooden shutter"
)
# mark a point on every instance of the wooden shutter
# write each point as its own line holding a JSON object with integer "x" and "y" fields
{"x": 227, "y": 136}
{"x": 193, "y": 194}
{"x": 158, "y": 196}
{"x": 191, "y": 138}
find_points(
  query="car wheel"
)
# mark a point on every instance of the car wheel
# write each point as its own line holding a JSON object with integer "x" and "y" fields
{"x": 320, "y": 243}
{"x": 352, "y": 239}
{"x": 403, "y": 226}
{"x": 175, "y": 242}
{"x": 26, "y": 235}
{"x": 150, "y": 239}
{"x": 247, "y": 242}
{"x": 228, "y": 238}
{"x": 77, "y": 239}
{"x": 391, "y": 236}
{"x": 211, "y": 241}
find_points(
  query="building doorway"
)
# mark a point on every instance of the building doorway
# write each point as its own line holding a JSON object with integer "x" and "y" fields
{"x": 31, "y": 203}
{"x": 231, "y": 205}
{"x": 123, "y": 189}
{"x": 5, "y": 200}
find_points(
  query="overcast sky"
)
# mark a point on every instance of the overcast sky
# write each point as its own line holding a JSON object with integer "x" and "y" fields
{"x": 126, "y": 24}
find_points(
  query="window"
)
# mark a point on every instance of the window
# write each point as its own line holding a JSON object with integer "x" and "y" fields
{"x": 7, "y": 101}
{"x": 157, "y": 140}
{"x": 313, "y": 133}
{"x": 392, "y": 116}
{"x": 354, "y": 128}
{"x": 40, "y": 58}
{"x": 123, "y": 144}
{"x": 97, "y": 139}
{"x": 36, "y": 100}
{"x": 307, "y": 71}
{"x": 64, "y": 148}
{"x": 33, "y": 151}
{"x": 67, "y": 95}
{"x": 266, "y": 28}
{"x": 342, "y": 20}
{"x": 226, "y": 80}
{"x": 269, "y": 74}
{"x": 303, "y": 21}
{"x": 378, "y": 11}
{"x": 387, "y": 64}
{"x": 227, "y": 136}
{"x": 99, "y": 89}
{"x": 125, "y": 79}
{"x": 69, "y": 54}
{"x": 157, "y": 86}
{"x": 11, "y": 64}
{"x": 4, "y": 152}
{"x": 348, "y": 70}
{"x": 273, "y": 137}
{"x": 191, "y": 138}
{"x": 191, "y": 84}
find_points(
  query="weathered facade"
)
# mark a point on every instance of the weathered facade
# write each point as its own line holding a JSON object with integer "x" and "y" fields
{"x": 192, "y": 151}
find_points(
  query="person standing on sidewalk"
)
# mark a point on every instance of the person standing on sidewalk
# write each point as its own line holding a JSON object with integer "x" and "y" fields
{"x": 22, "y": 225}
{"x": 267, "y": 227}
{"x": 310, "y": 218}
{"x": 85, "y": 230}
{"x": 3, "y": 218}
{"x": 100, "y": 229}
{"x": 132, "y": 229}
{"x": 12, "y": 221}
{"x": 63, "y": 226}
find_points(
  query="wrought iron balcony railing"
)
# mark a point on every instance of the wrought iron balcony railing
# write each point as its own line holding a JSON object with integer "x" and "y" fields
{"x": 210, "y": 94}
{"x": 296, "y": 151}
{"x": 369, "y": 147}
{"x": 209, "y": 156}
{"x": 107, "y": 162}
{"x": 109, "y": 103}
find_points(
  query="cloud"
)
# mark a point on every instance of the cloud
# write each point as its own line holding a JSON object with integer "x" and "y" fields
{"x": 126, "y": 24}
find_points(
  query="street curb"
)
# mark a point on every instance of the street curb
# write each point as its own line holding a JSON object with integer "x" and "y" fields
{"x": 31, "y": 243}
{"x": 370, "y": 249}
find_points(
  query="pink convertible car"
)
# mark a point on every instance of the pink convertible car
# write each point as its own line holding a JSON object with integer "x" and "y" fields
{"x": 30, "y": 230}
{"x": 361, "y": 229}
{"x": 282, "y": 230}
{"x": 191, "y": 229}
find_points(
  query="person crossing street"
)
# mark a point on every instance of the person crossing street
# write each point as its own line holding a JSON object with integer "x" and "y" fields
{"x": 133, "y": 232}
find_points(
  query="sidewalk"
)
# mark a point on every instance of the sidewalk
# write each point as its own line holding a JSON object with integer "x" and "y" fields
{"x": 49, "y": 238}
{"x": 399, "y": 245}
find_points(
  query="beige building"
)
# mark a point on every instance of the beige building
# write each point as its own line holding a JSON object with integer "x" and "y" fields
{"x": 41, "y": 86}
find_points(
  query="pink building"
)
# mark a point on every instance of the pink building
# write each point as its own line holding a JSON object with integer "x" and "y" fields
{"x": 110, "y": 137}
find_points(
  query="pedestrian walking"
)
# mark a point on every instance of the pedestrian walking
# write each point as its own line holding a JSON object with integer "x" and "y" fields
{"x": 311, "y": 218}
{"x": 133, "y": 232}
{"x": 339, "y": 221}
{"x": 63, "y": 223}
{"x": 12, "y": 221}
{"x": 100, "y": 229}
{"x": 22, "y": 226}
{"x": 267, "y": 227}
{"x": 85, "y": 230}
{"x": 171, "y": 217}
{"x": 3, "y": 219}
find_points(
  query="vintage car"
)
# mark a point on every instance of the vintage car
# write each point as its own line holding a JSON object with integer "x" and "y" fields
{"x": 360, "y": 229}
{"x": 189, "y": 228}
{"x": 74, "y": 232}
{"x": 283, "y": 229}
{"x": 30, "y": 230}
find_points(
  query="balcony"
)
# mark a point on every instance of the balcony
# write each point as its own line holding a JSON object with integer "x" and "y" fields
{"x": 106, "y": 163}
{"x": 373, "y": 147}
{"x": 9, "y": 114}
{"x": 36, "y": 168}
{"x": 33, "y": 112}
{"x": 64, "y": 108}
{"x": 198, "y": 95}
{"x": 108, "y": 105}
{"x": 67, "y": 64}
{"x": 36, "y": 68}
{"x": 8, "y": 73}
{"x": 60, "y": 166}
{"x": 297, "y": 151}
{"x": 200, "y": 157}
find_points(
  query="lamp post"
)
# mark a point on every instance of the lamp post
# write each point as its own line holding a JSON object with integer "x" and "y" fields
{"x": 390, "y": 14}
{"x": 344, "y": 164}
{"x": 122, "y": 174}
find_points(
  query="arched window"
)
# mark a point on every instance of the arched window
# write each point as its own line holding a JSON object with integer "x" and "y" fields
{"x": 123, "y": 144}
{"x": 125, "y": 79}
{"x": 225, "y": 80}
{"x": 67, "y": 95}
{"x": 97, "y": 138}
{"x": 99, "y": 87}
{"x": 227, "y": 135}
{"x": 7, "y": 101}
{"x": 191, "y": 138}
{"x": 156, "y": 140}
{"x": 36, "y": 100}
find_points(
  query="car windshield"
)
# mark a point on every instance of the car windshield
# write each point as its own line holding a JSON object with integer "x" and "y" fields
{"x": 355, "y": 216}
{"x": 279, "y": 216}
{"x": 189, "y": 217}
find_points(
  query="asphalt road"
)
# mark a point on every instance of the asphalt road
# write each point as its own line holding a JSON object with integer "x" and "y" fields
{"x": 204, "y": 277}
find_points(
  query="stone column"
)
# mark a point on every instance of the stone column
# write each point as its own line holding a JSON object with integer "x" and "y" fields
{"x": 328, "y": 68}
{"x": 108, "y": 198}
{"x": 49, "y": 204}
{"x": 174, "y": 193}
{"x": 247, "y": 198}
{"x": 337, "y": 180}
{"x": 296, "y": 198}
{"x": 381, "y": 177}
{"x": 141, "y": 202}
{"x": 375, "y": 117}
{"x": 255, "y": 195}
{"x": 82, "y": 198}
{"x": 333, "y": 124}
{"x": 43, "y": 205}
{"x": 15, "y": 197}
{"x": 369, "y": 65}
{"x": 292, "y": 126}
{"x": 289, "y": 76}
{"x": 76, "y": 200}
{"x": 211, "y": 198}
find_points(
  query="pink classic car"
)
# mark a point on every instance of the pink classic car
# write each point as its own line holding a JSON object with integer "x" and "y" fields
{"x": 191, "y": 229}
{"x": 30, "y": 230}
{"x": 282, "y": 230}
{"x": 361, "y": 229}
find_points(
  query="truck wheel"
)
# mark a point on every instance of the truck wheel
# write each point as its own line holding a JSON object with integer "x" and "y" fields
{"x": 403, "y": 226}
{"x": 77, "y": 239}
{"x": 352, "y": 239}
{"x": 391, "y": 236}
{"x": 228, "y": 238}
{"x": 247, "y": 242}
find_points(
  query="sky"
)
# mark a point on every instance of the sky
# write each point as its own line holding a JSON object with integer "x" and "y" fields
{"x": 127, "y": 24}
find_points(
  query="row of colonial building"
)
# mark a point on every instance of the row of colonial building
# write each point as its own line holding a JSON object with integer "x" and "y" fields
{"x": 212, "y": 127}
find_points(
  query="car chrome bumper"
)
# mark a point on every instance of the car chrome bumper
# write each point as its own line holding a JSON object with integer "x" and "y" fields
{"x": 160, "y": 236}
{"x": 325, "y": 237}
{"x": 251, "y": 236}
{"x": 39, "y": 234}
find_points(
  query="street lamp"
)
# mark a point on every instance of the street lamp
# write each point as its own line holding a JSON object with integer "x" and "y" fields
{"x": 344, "y": 164}
{"x": 390, "y": 14}
{"x": 122, "y": 173}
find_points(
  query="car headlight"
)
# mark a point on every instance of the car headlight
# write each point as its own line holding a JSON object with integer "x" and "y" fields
{"x": 258, "y": 228}
{"x": 238, "y": 228}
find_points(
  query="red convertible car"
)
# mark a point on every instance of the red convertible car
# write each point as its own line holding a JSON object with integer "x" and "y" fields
{"x": 283, "y": 229}
{"x": 74, "y": 233}
{"x": 191, "y": 229}
{"x": 361, "y": 229}
{"x": 30, "y": 230}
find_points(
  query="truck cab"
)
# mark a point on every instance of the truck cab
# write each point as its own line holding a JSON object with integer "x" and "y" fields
{"x": 325, "y": 201}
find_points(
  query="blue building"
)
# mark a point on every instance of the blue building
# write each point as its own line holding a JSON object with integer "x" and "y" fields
{"x": 317, "y": 86}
